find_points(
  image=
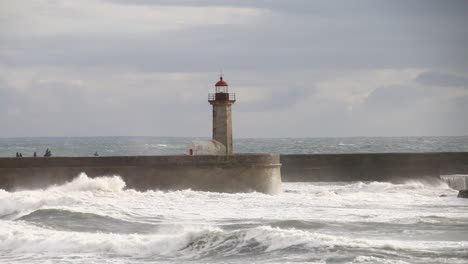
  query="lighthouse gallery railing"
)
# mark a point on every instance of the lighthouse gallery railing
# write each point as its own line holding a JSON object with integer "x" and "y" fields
{"x": 221, "y": 97}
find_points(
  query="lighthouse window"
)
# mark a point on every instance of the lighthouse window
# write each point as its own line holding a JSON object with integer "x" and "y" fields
{"x": 221, "y": 89}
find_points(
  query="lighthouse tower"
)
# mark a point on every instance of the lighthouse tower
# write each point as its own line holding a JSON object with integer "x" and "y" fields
{"x": 221, "y": 101}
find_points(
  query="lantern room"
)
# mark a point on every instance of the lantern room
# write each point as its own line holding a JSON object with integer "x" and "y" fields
{"x": 221, "y": 86}
{"x": 221, "y": 93}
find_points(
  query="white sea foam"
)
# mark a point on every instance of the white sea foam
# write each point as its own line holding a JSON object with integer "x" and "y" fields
{"x": 366, "y": 218}
{"x": 106, "y": 196}
{"x": 75, "y": 192}
{"x": 84, "y": 183}
{"x": 21, "y": 238}
{"x": 195, "y": 242}
{"x": 16, "y": 204}
{"x": 344, "y": 144}
{"x": 406, "y": 185}
{"x": 373, "y": 259}
{"x": 277, "y": 238}
{"x": 456, "y": 181}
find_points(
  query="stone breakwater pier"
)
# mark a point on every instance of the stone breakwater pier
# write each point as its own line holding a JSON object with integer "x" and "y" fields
{"x": 393, "y": 167}
{"x": 231, "y": 173}
{"x": 222, "y": 173}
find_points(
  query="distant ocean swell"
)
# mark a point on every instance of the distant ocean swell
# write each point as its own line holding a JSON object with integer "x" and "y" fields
{"x": 120, "y": 146}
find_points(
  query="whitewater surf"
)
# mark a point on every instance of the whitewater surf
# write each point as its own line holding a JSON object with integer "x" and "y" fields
{"x": 96, "y": 220}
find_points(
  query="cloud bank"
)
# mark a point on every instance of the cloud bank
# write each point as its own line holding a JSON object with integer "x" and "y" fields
{"x": 299, "y": 68}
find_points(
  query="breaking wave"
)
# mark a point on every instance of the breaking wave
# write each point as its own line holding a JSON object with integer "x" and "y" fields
{"x": 405, "y": 185}
{"x": 66, "y": 220}
{"x": 84, "y": 183}
{"x": 347, "y": 222}
{"x": 17, "y": 204}
{"x": 200, "y": 242}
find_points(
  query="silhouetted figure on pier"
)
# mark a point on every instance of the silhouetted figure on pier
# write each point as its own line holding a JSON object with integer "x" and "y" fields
{"x": 17, "y": 154}
{"x": 21, "y": 155}
{"x": 48, "y": 153}
{"x": 96, "y": 154}
{"x": 35, "y": 154}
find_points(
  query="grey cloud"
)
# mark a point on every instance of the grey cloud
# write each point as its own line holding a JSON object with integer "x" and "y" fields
{"x": 57, "y": 108}
{"x": 277, "y": 99}
{"x": 434, "y": 78}
{"x": 42, "y": 108}
{"x": 411, "y": 110}
{"x": 297, "y": 36}
{"x": 8, "y": 98}
{"x": 460, "y": 110}
{"x": 310, "y": 118}
{"x": 396, "y": 96}
{"x": 4, "y": 95}
{"x": 276, "y": 44}
{"x": 327, "y": 8}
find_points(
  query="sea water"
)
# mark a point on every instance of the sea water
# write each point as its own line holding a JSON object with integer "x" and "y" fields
{"x": 121, "y": 146}
{"x": 98, "y": 220}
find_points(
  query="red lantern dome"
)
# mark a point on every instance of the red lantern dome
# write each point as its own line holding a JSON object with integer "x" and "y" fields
{"x": 221, "y": 82}
{"x": 221, "y": 93}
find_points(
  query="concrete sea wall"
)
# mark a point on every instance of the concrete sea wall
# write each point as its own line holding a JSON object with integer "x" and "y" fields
{"x": 393, "y": 167}
{"x": 233, "y": 173}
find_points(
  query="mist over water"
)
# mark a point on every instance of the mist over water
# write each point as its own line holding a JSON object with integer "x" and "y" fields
{"x": 98, "y": 220}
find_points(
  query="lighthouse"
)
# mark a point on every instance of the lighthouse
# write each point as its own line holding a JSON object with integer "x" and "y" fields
{"x": 222, "y": 101}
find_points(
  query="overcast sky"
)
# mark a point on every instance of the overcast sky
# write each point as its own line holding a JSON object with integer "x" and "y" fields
{"x": 299, "y": 68}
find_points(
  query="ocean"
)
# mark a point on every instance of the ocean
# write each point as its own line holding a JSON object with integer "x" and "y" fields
{"x": 121, "y": 146}
{"x": 98, "y": 220}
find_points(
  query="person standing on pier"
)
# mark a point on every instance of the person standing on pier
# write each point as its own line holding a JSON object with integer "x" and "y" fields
{"x": 48, "y": 153}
